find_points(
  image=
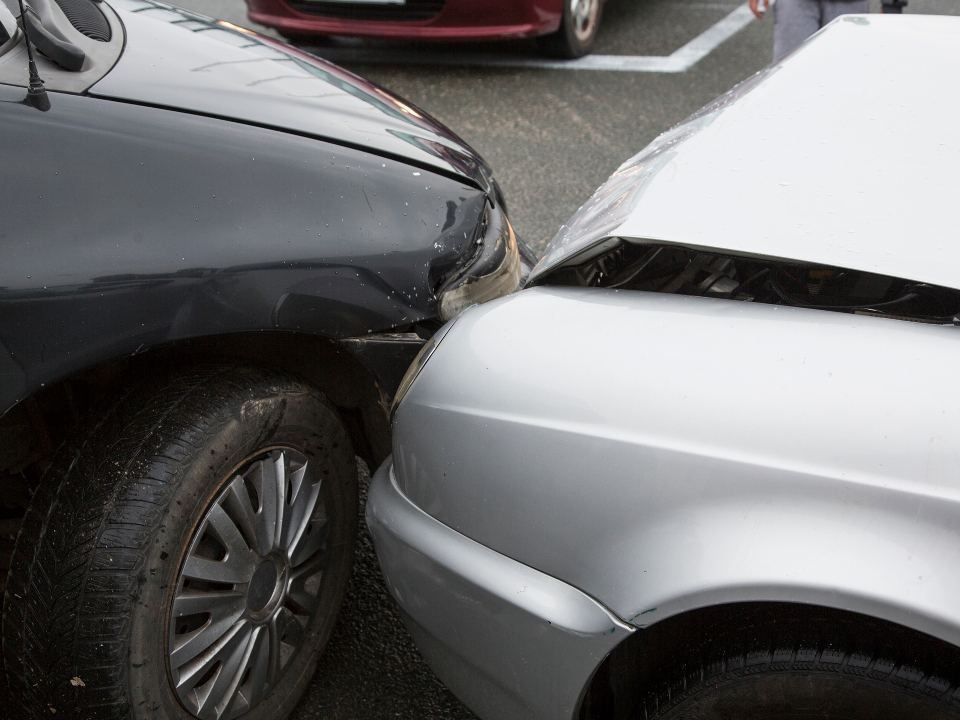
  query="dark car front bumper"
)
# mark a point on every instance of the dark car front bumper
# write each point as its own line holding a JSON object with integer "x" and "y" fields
{"x": 510, "y": 641}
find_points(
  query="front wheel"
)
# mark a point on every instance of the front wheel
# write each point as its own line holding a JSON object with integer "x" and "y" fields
{"x": 187, "y": 558}
{"x": 817, "y": 670}
{"x": 578, "y": 29}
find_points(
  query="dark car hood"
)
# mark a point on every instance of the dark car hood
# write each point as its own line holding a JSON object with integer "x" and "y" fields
{"x": 176, "y": 59}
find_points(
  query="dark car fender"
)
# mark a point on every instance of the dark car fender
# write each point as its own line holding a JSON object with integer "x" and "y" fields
{"x": 127, "y": 227}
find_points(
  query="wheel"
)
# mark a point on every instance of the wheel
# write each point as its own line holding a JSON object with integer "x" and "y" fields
{"x": 822, "y": 669}
{"x": 578, "y": 29}
{"x": 187, "y": 557}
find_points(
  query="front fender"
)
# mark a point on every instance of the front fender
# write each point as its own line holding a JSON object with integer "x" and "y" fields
{"x": 882, "y": 552}
{"x": 663, "y": 453}
{"x": 128, "y": 227}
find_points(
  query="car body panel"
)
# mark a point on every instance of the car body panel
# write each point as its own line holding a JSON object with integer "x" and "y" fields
{"x": 176, "y": 59}
{"x": 488, "y": 640}
{"x": 455, "y": 20}
{"x": 152, "y": 226}
{"x": 868, "y": 185}
{"x": 680, "y": 452}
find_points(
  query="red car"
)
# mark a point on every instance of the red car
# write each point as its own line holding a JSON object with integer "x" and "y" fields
{"x": 566, "y": 27}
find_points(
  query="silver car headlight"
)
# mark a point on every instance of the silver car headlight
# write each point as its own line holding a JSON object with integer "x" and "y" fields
{"x": 611, "y": 205}
{"x": 496, "y": 271}
{"x": 419, "y": 361}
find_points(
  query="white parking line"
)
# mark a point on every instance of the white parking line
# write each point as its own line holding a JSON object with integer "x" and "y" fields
{"x": 711, "y": 38}
{"x": 679, "y": 60}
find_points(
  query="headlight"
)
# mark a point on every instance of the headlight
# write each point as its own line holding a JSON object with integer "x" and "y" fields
{"x": 610, "y": 206}
{"x": 497, "y": 271}
{"x": 419, "y": 361}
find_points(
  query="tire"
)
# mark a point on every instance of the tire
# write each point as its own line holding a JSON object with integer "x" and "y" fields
{"x": 128, "y": 528}
{"x": 578, "y": 29}
{"x": 824, "y": 669}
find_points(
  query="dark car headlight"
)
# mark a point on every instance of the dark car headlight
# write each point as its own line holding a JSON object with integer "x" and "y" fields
{"x": 496, "y": 271}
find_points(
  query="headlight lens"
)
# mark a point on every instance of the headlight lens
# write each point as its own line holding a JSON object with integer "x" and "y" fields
{"x": 613, "y": 202}
{"x": 419, "y": 361}
{"x": 497, "y": 271}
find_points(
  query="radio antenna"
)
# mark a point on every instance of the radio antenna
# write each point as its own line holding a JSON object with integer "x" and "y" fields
{"x": 36, "y": 92}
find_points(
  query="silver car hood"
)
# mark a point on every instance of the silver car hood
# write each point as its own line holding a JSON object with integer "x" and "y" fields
{"x": 845, "y": 154}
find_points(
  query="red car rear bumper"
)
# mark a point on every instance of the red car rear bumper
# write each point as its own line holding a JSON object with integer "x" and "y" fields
{"x": 457, "y": 20}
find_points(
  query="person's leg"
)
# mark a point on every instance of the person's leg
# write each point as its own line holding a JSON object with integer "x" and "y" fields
{"x": 793, "y": 22}
{"x": 830, "y": 9}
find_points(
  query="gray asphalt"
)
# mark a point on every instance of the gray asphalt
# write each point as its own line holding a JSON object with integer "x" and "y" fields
{"x": 552, "y": 136}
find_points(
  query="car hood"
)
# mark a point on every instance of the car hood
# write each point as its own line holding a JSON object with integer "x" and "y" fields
{"x": 176, "y": 59}
{"x": 846, "y": 154}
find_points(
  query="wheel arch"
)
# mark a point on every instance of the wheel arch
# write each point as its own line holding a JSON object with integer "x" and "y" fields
{"x": 358, "y": 376}
{"x": 881, "y": 565}
{"x": 635, "y": 668}
{"x": 885, "y": 552}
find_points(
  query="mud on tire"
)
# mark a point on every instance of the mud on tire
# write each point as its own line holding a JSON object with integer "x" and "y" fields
{"x": 86, "y": 628}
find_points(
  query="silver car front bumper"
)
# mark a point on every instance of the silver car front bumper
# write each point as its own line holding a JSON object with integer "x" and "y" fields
{"x": 511, "y": 642}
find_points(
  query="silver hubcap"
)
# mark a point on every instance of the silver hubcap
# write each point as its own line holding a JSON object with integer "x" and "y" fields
{"x": 584, "y": 15}
{"x": 249, "y": 587}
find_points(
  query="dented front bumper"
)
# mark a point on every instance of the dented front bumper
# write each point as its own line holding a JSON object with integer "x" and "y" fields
{"x": 510, "y": 641}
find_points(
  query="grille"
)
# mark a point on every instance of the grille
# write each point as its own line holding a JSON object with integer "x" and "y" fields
{"x": 412, "y": 10}
{"x": 86, "y": 17}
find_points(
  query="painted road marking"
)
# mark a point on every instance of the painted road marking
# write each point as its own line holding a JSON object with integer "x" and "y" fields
{"x": 679, "y": 60}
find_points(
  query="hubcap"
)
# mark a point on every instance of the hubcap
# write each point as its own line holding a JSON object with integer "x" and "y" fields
{"x": 248, "y": 588}
{"x": 266, "y": 587}
{"x": 584, "y": 15}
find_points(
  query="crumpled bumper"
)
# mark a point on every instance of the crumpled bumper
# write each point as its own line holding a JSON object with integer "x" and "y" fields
{"x": 511, "y": 642}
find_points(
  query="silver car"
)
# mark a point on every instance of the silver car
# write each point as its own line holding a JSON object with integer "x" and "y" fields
{"x": 708, "y": 465}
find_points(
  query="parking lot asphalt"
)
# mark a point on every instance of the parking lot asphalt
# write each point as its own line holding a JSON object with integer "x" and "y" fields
{"x": 552, "y": 135}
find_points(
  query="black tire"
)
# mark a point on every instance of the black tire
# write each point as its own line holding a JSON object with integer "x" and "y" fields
{"x": 823, "y": 668}
{"x": 574, "y": 39}
{"x": 88, "y": 600}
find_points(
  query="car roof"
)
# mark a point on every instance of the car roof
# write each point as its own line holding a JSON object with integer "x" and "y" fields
{"x": 847, "y": 154}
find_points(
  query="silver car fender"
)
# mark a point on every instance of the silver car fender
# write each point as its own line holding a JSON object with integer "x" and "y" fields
{"x": 665, "y": 453}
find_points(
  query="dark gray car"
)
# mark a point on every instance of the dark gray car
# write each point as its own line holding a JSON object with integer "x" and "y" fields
{"x": 217, "y": 256}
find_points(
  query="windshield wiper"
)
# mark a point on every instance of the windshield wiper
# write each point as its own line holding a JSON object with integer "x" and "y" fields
{"x": 49, "y": 40}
